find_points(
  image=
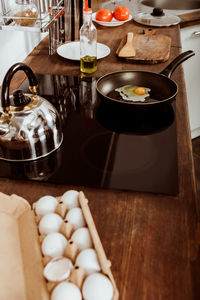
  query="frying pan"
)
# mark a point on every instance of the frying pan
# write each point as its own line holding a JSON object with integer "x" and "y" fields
{"x": 129, "y": 121}
{"x": 163, "y": 88}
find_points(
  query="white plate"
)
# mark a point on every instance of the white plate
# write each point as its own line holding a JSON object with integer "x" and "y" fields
{"x": 112, "y": 23}
{"x": 71, "y": 50}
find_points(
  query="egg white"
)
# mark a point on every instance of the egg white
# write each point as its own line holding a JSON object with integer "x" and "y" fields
{"x": 127, "y": 93}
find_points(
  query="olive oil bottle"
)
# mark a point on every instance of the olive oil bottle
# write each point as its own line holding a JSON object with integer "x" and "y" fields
{"x": 88, "y": 64}
{"x": 88, "y": 44}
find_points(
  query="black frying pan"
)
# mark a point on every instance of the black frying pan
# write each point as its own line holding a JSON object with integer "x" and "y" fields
{"x": 163, "y": 89}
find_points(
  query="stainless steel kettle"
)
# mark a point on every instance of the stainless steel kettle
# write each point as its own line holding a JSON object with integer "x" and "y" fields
{"x": 30, "y": 127}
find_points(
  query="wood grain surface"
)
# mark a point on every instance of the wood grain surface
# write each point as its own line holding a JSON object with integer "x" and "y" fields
{"x": 151, "y": 239}
{"x": 150, "y": 47}
{"x": 190, "y": 19}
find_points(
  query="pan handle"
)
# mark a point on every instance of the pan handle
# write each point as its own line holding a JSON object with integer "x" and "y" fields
{"x": 176, "y": 62}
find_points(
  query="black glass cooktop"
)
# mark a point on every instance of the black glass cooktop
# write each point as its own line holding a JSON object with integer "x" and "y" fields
{"x": 103, "y": 146}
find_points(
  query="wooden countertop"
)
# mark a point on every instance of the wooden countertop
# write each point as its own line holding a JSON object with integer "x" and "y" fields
{"x": 151, "y": 239}
{"x": 190, "y": 19}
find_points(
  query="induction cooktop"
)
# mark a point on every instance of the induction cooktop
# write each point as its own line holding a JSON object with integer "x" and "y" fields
{"x": 104, "y": 147}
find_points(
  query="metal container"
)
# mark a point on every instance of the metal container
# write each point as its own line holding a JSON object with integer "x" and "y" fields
{"x": 30, "y": 127}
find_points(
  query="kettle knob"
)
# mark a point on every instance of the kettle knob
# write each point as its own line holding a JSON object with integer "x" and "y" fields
{"x": 33, "y": 84}
{"x": 19, "y": 98}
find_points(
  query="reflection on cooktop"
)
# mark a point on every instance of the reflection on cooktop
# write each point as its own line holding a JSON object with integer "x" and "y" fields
{"x": 141, "y": 122}
{"x": 103, "y": 147}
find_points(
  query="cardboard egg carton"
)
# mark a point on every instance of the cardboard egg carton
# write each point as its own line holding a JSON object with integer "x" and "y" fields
{"x": 21, "y": 268}
{"x": 21, "y": 259}
{"x": 71, "y": 251}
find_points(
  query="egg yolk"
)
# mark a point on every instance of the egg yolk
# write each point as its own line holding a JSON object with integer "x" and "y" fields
{"x": 140, "y": 91}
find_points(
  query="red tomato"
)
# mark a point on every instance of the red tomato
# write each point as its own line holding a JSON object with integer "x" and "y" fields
{"x": 121, "y": 13}
{"x": 104, "y": 15}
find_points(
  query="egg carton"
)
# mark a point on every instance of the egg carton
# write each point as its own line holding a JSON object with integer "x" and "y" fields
{"x": 21, "y": 275}
{"x": 81, "y": 256}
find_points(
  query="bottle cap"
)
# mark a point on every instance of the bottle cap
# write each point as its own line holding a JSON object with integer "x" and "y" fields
{"x": 87, "y": 9}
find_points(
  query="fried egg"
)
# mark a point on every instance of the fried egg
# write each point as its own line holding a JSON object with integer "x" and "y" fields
{"x": 134, "y": 93}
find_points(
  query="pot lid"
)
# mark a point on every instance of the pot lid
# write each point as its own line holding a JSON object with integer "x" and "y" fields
{"x": 157, "y": 18}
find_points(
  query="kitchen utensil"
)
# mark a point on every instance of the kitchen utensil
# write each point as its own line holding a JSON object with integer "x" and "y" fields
{"x": 157, "y": 18}
{"x": 71, "y": 50}
{"x": 30, "y": 126}
{"x": 128, "y": 49}
{"x": 112, "y": 23}
{"x": 145, "y": 43}
{"x": 163, "y": 89}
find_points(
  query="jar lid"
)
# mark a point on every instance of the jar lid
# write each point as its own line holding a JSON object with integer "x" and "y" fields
{"x": 157, "y": 18}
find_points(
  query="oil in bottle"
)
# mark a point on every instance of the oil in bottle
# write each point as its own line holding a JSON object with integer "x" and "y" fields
{"x": 88, "y": 64}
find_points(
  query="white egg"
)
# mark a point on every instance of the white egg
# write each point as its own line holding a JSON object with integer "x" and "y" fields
{"x": 66, "y": 291}
{"x": 97, "y": 287}
{"x": 82, "y": 238}
{"x": 45, "y": 205}
{"x": 50, "y": 223}
{"x": 75, "y": 217}
{"x": 70, "y": 198}
{"x": 87, "y": 259}
{"x": 54, "y": 244}
{"x": 58, "y": 269}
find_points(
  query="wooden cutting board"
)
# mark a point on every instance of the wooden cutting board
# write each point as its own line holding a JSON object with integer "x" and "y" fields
{"x": 151, "y": 48}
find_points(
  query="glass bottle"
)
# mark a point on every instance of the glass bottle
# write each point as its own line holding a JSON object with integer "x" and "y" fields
{"x": 27, "y": 10}
{"x": 88, "y": 44}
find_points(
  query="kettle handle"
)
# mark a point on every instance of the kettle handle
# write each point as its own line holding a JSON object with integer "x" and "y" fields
{"x": 5, "y": 99}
